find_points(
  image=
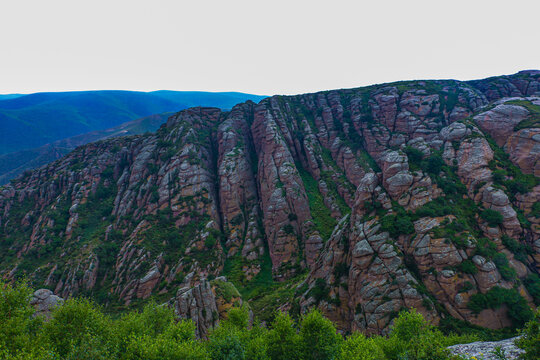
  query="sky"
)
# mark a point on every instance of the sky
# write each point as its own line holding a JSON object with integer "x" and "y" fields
{"x": 261, "y": 47}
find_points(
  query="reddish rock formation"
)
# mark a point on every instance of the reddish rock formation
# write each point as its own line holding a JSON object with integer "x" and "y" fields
{"x": 375, "y": 192}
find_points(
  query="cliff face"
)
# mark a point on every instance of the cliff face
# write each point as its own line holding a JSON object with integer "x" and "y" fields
{"x": 358, "y": 201}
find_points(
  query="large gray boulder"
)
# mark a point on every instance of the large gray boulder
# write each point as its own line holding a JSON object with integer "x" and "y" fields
{"x": 44, "y": 301}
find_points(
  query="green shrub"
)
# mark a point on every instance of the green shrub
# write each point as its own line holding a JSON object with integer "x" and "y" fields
{"x": 210, "y": 241}
{"x": 535, "y": 211}
{"x": 517, "y": 186}
{"x": 468, "y": 267}
{"x": 288, "y": 229}
{"x": 79, "y": 323}
{"x": 358, "y": 347}
{"x": 162, "y": 347}
{"x": 397, "y": 225}
{"x": 499, "y": 176}
{"x": 319, "y": 339}
{"x": 486, "y": 248}
{"x": 80, "y": 330}
{"x": 238, "y": 317}
{"x": 530, "y": 339}
{"x": 412, "y": 337}
{"x": 492, "y": 217}
{"x": 17, "y": 327}
{"x": 511, "y": 244}
{"x": 518, "y": 309}
{"x": 414, "y": 155}
{"x": 283, "y": 342}
{"x": 341, "y": 269}
{"x": 225, "y": 343}
{"x": 433, "y": 164}
{"x": 505, "y": 270}
{"x": 320, "y": 290}
{"x": 151, "y": 321}
{"x": 532, "y": 283}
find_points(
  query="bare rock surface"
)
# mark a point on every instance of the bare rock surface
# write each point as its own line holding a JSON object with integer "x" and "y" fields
{"x": 44, "y": 301}
{"x": 488, "y": 350}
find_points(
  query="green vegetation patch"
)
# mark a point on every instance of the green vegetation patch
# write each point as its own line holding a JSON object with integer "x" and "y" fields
{"x": 225, "y": 289}
{"x": 80, "y": 329}
{"x": 533, "y": 120}
{"x": 324, "y": 222}
{"x": 518, "y": 310}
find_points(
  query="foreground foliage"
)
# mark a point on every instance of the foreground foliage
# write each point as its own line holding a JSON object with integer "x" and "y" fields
{"x": 79, "y": 329}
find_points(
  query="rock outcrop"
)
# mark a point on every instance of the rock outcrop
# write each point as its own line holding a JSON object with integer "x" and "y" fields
{"x": 44, "y": 301}
{"x": 206, "y": 303}
{"x": 488, "y": 350}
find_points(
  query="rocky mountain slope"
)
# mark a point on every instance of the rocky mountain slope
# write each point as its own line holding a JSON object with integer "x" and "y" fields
{"x": 361, "y": 202}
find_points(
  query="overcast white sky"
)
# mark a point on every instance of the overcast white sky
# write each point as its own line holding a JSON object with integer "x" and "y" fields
{"x": 263, "y": 47}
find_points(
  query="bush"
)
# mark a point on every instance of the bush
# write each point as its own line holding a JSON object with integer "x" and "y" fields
{"x": 397, "y": 225}
{"x": 506, "y": 271}
{"x": 79, "y": 330}
{"x": 530, "y": 339}
{"x": 238, "y": 317}
{"x": 468, "y": 267}
{"x": 225, "y": 344}
{"x": 319, "y": 339}
{"x": 358, "y": 347}
{"x": 152, "y": 321}
{"x": 288, "y": 229}
{"x": 414, "y": 155}
{"x": 492, "y": 217}
{"x": 412, "y": 337}
{"x": 499, "y": 176}
{"x": 320, "y": 290}
{"x": 535, "y": 211}
{"x": 341, "y": 269}
{"x": 486, "y": 248}
{"x": 511, "y": 244}
{"x": 433, "y": 164}
{"x": 283, "y": 342}
{"x": 518, "y": 309}
{"x": 162, "y": 347}
{"x": 17, "y": 327}
{"x": 532, "y": 283}
{"x": 77, "y": 324}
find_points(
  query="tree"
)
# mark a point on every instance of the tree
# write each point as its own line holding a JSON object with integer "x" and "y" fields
{"x": 79, "y": 324}
{"x": 358, "y": 347}
{"x": 225, "y": 343}
{"x": 318, "y": 336}
{"x": 283, "y": 342}
{"x": 412, "y": 337}
{"x": 18, "y": 328}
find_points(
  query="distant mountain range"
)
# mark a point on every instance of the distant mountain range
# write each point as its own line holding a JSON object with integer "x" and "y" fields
{"x": 10, "y": 96}
{"x": 39, "y": 128}
{"x": 30, "y": 121}
{"x": 14, "y": 164}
